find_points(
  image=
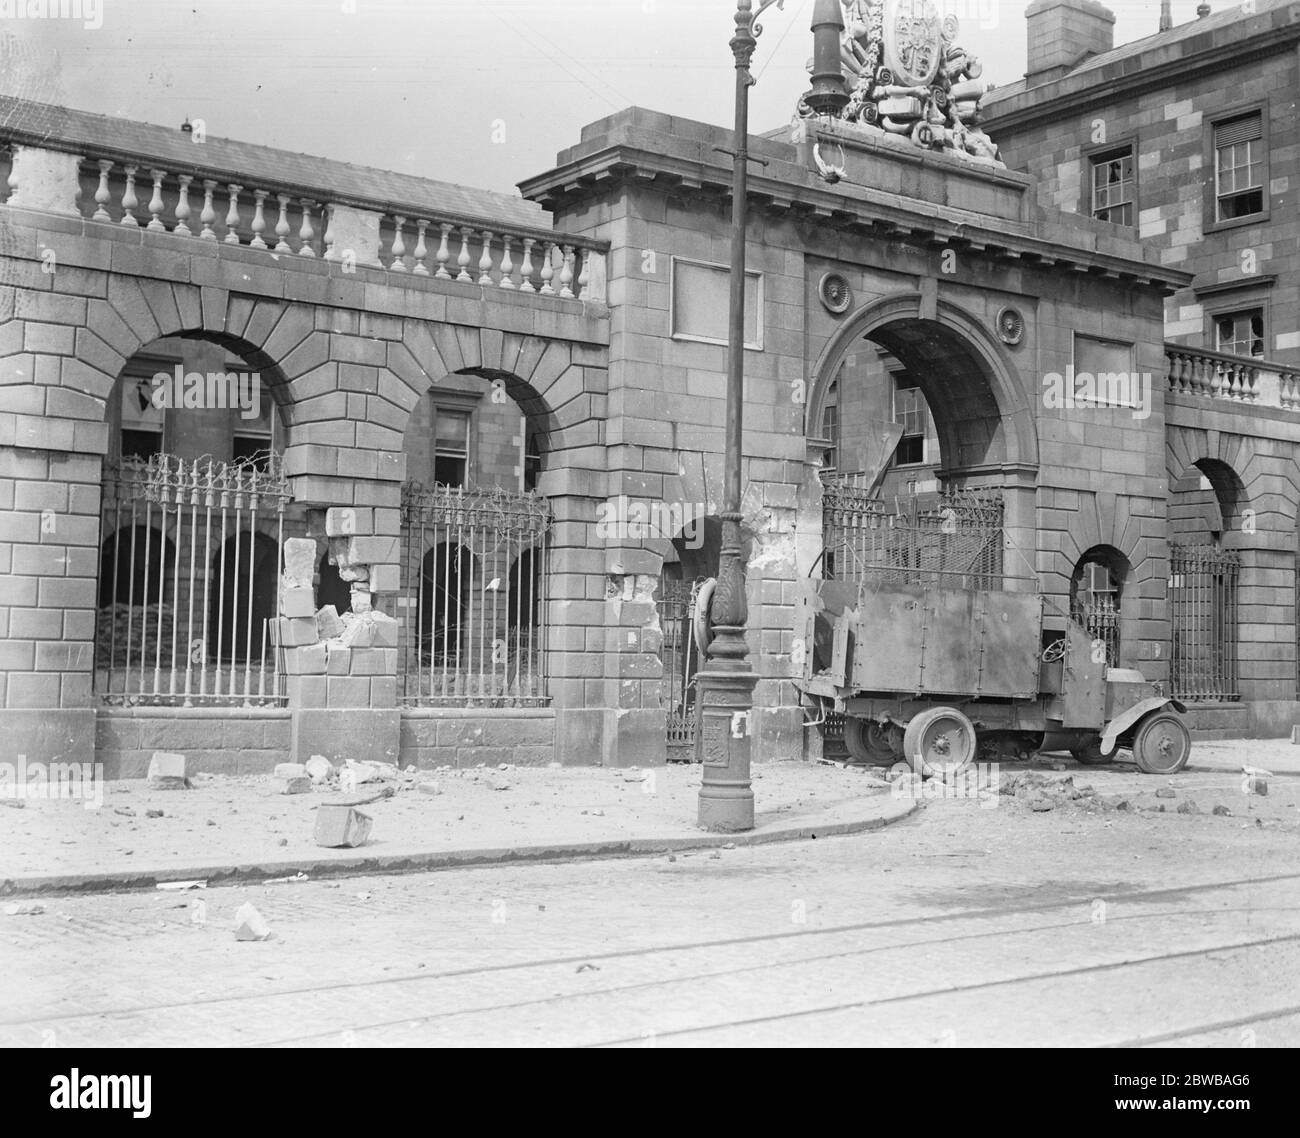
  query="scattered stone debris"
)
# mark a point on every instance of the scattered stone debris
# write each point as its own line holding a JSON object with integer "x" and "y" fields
{"x": 1255, "y": 784}
{"x": 1221, "y": 811}
{"x": 167, "y": 771}
{"x": 500, "y": 784}
{"x": 126, "y": 811}
{"x": 729, "y": 846}
{"x": 153, "y": 813}
{"x": 364, "y": 896}
{"x": 429, "y": 786}
{"x": 319, "y": 768}
{"x": 341, "y": 826}
{"x": 250, "y": 924}
{"x": 1188, "y": 807}
{"x": 1039, "y": 803}
{"x": 634, "y": 775}
{"x": 293, "y": 778}
{"x": 354, "y": 774}
{"x": 293, "y": 880}
{"x": 1166, "y": 792}
{"x": 24, "y": 909}
{"x": 16, "y": 803}
{"x": 283, "y": 842}
{"x": 588, "y": 968}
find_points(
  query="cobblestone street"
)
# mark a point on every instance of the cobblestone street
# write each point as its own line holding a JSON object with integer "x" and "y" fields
{"x": 961, "y": 926}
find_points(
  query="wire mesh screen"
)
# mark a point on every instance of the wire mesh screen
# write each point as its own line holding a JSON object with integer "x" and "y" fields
{"x": 189, "y": 579}
{"x": 952, "y": 539}
{"x": 471, "y": 597}
{"x": 1203, "y": 600}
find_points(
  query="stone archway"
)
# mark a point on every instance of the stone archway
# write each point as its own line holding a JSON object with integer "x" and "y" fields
{"x": 983, "y": 422}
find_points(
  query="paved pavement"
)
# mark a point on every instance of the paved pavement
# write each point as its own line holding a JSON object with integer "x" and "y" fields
{"x": 244, "y": 828}
{"x": 962, "y": 925}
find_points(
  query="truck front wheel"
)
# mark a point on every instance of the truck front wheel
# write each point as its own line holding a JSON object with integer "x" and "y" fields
{"x": 939, "y": 742}
{"x": 1161, "y": 744}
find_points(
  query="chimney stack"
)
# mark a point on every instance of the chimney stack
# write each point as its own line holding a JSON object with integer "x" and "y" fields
{"x": 1202, "y": 10}
{"x": 1064, "y": 33}
{"x": 1166, "y": 15}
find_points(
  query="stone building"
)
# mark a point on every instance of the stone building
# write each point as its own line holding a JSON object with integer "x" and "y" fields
{"x": 462, "y": 519}
{"x": 1188, "y": 140}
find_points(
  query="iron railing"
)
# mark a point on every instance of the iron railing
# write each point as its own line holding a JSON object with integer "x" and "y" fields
{"x": 472, "y": 596}
{"x": 1203, "y": 602}
{"x": 954, "y": 538}
{"x": 681, "y": 660}
{"x": 189, "y": 579}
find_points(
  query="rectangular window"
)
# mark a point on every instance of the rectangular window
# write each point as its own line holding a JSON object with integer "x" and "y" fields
{"x": 450, "y": 446}
{"x": 1240, "y": 333}
{"x": 701, "y": 303}
{"x": 831, "y": 432}
{"x": 1113, "y": 187}
{"x": 1239, "y": 167}
{"x": 913, "y": 415}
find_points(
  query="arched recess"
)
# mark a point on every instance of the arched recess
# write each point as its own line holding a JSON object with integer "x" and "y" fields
{"x": 1207, "y": 502}
{"x": 444, "y": 611}
{"x": 1099, "y": 586}
{"x": 197, "y": 394}
{"x": 985, "y": 423}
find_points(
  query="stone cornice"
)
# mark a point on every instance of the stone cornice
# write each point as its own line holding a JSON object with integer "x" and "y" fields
{"x": 629, "y": 154}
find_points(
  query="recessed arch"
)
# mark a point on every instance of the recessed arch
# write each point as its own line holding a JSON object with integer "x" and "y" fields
{"x": 969, "y": 381}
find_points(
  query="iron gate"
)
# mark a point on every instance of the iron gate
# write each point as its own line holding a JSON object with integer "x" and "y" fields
{"x": 189, "y": 580}
{"x": 681, "y": 660}
{"x": 952, "y": 539}
{"x": 472, "y": 595}
{"x": 1203, "y": 604}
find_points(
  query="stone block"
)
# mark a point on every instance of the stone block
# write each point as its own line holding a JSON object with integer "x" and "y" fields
{"x": 340, "y": 660}
{"x": 385, "y": 578}
{"x": 298, "y": 784}
{"x": 299, "y": 560}
{"x": 319, "y": 768}
{"x": 297, "y": 600}
{"x": 364, "y": 734}
{"x": 307, "y": 660}
{"x": 328, "y": 624}
{"x": 250, "y": 924}
{"x": 349, "y": 521}
{"x": 341, "y": 827}
{"x": 167, "y": 771}
{"x": 293, "y": 632}
{"x": 373, "y": 550}
{"x": 348, "y": 691}
{"x": 385, "y": 630}
{"x": 357, "y": 633}
{"x": 306, "y": 691}
{"x": 372, "y": 661}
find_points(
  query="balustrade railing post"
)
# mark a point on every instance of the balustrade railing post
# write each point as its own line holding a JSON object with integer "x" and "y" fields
{"x": 129, "y": 200}
{"x": 208, "y": 214}
{"x": 443, "y": 254}
{"x": 463, "y": 259}
{"x": 183, "y": 205}
{"x": 421, "y": 249}
{"x": 232, "y": 214}
{"x": 259, "y": 219}
{"x": 305, "y": 231}
{"x": 102, "y": 195}
{"x": 526, "y": 269}
{"x": 282, "y": 225}
{"x": 399, "y": 245}
{"x": 156, "y": 202}
{"x": 485, "y": 261}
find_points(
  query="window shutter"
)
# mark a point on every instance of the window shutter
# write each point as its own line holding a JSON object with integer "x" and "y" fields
{"x": 1246, "y": 129}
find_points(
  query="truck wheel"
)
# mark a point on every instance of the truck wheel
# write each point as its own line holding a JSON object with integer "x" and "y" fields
{"x": 863, "y": 739}
{"x": 1091, "y": 756}
{"x": 1161, "y": 744}
{"x": 940, "y": 741}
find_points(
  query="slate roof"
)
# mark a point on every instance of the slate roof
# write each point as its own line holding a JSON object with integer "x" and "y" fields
{"x": 322, "y": 179}
{"x": 1199, "y": 26}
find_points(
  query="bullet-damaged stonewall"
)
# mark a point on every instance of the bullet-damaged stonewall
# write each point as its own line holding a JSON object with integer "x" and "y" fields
{"x": 341, "y": 827}
{"x": 250, "y": 924}
{"x": 167, "y": 771}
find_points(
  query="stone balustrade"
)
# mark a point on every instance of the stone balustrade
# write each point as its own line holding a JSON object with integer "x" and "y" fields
{"x": 286, "y": 221}
{"x": 1240, "y": 379}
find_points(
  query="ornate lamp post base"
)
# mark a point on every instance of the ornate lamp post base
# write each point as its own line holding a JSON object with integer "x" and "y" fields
{"x": 726, "y": 703}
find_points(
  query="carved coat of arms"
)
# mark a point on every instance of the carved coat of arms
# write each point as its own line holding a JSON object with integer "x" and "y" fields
{"x": 914, "y": 41}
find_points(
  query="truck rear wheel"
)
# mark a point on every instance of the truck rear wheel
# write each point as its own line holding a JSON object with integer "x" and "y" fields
{"x": 1161, "y": 744}
{"x": 939, "y": 742}
{"x": 865, "y": 741}
{"x": 1090, "y": 755}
